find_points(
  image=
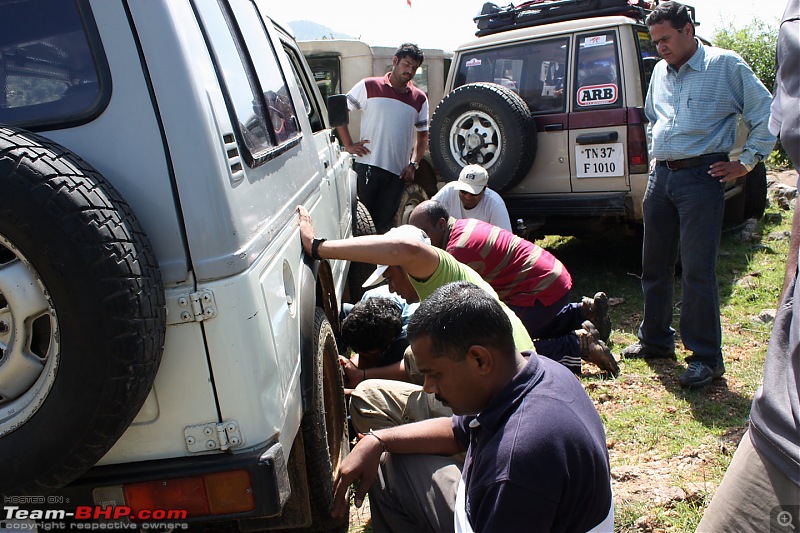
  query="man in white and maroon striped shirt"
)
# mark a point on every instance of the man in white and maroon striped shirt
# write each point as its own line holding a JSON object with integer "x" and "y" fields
{"x": 389, "y": 151}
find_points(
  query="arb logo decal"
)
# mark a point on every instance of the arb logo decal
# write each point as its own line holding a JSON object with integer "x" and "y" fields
{"x": 590, "y": 95}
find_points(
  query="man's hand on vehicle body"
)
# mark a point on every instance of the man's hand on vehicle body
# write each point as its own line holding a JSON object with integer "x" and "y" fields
{"x": 360, "y": 465}
{"x": 306, "y": 228}
{"x": 353, "y": 374}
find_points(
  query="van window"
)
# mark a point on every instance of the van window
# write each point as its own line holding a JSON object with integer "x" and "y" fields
{"x": 279, "y": 105}
{"x": 649, "y": 56}
{"x": 597, "y": 72}
{"x": 256, "y": 90}
{"x": 48, "y": 71}
{"x": 311, "y": 107}
{"x": 327, "y": 74}
{"x": 535, "y": 70}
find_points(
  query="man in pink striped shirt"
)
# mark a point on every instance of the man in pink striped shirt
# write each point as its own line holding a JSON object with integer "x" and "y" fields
{"x": 531, "y": 281}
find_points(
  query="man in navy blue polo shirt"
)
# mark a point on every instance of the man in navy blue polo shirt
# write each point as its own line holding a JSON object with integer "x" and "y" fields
{"x": 536, "y": 457}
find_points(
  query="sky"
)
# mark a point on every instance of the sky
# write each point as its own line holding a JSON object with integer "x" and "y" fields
{"x": 447, "y": 23}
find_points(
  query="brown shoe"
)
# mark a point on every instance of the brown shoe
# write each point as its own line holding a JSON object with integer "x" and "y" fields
{"x": 594, "y": 350}
{"x": 596, "y": 311}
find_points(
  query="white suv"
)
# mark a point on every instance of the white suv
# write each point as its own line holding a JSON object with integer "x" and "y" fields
{"x": 550, "y": 99}
{"x": 164, "y": 339}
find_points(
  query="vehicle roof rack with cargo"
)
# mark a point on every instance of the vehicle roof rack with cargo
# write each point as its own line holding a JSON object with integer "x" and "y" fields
{"x": 494, "y": 19}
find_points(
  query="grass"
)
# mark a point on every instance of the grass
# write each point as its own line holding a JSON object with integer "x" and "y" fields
{"x": 670, "y": 447}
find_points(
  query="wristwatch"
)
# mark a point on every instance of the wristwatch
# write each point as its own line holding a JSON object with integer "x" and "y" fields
{"x": 315, "y": 248}
{"x": 414, "y": 164}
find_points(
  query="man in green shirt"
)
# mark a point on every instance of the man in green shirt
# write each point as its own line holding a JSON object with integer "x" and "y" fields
{"x": 413, "y": 269}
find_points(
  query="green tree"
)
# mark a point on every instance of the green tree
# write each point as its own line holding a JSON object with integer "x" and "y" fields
{"x": 756, "y": 44}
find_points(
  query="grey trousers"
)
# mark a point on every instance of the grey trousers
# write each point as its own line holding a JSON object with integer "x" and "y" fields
{"x": 754, "y": 496}
{"x": 418, "y": 494}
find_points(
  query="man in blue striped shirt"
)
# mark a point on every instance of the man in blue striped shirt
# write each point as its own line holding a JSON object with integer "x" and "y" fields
{"x": 696, "y": 95}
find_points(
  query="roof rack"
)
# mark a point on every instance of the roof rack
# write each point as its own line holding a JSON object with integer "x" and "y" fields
{"x": 495, "y": 19}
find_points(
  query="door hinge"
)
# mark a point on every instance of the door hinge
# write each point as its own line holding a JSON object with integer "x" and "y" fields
{"x": 213, "y": 436}
{"x": 191, "y": 307}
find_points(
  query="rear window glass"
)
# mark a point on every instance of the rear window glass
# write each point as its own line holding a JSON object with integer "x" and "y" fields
{"x": 256, "y": 88}
{"x": 597, "y": 76}
{"x": 535, "y": 71}
{"x": 649, "y": 55}
{"x": 48, "y": 71}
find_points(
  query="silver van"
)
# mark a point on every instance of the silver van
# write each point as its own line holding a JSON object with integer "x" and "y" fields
{"x": 163, "y": 337}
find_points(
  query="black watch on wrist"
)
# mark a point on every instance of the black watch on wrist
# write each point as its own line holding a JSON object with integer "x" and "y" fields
{"x": 315, "y": 248}
{"x": 414, "y": 164}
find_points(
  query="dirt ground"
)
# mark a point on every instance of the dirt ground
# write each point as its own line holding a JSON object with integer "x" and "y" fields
{"x": 787, "y": 177}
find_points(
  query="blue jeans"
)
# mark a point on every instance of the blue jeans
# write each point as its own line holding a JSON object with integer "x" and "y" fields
{"x": 682, "y": 211}
{"x": 552, "y": 326}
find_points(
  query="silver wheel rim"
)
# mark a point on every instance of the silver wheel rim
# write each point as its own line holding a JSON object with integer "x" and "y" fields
{"x": 475, "y": 139}
{"x": 29, "y": 340}
{"x": 408, "y": 207}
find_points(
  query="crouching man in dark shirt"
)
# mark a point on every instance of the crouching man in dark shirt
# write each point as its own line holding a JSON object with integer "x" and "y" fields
{"x": 536, "y": 457}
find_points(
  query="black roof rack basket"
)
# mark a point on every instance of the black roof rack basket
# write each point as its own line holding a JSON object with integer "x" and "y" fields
{"x": 495, "y": 19}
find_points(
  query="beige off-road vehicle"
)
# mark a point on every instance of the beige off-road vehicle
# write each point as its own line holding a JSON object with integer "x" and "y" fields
{"x": 550, "y": 99}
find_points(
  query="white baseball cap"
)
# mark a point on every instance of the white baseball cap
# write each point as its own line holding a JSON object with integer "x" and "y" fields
{"x": 472, "y": 179}
{"x": 407, "y": 232}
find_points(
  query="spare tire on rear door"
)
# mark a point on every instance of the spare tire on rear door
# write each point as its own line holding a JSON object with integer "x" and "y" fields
{"x": 82, "y": 315}
{"x": 485, "y": 124}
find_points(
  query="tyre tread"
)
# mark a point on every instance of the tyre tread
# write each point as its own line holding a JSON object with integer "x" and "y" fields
{"x": 108, "y": 242}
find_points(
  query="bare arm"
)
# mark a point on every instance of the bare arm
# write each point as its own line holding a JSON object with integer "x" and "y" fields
{"x": 356, "y": 375}
{"x": 417, "y": 258}
{"x": 421, "y": 145}
{"x": 434, "y": 436}
{"x": 347, "y": 140}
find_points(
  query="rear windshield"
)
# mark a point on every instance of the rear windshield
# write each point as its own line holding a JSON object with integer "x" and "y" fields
{"x": 48, "y": 70}
{"x": 535, "y": 70}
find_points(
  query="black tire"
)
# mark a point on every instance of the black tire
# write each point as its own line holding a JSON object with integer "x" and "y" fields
{"x": 325, "y": 427}
{"x": 413, "y": 195}
{"x": 752, "y": 201}
{"x": 485, "y": 124}
{"x": 91, "y": 313}
{"x": 359, "y": 272}
{"x": 755, "y": 192}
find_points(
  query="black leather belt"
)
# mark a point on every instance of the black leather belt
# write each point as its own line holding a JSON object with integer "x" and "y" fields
{"x": 707, "y": 159}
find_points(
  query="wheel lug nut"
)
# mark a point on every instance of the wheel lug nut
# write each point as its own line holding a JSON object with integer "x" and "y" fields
{"x": 3, "y": 327}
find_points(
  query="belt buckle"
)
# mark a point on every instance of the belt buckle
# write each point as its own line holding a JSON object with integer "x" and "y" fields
{"x": 670, "y": 165}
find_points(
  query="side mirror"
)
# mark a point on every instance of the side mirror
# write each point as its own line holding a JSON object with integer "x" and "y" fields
{"x": 338, "y": 114}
